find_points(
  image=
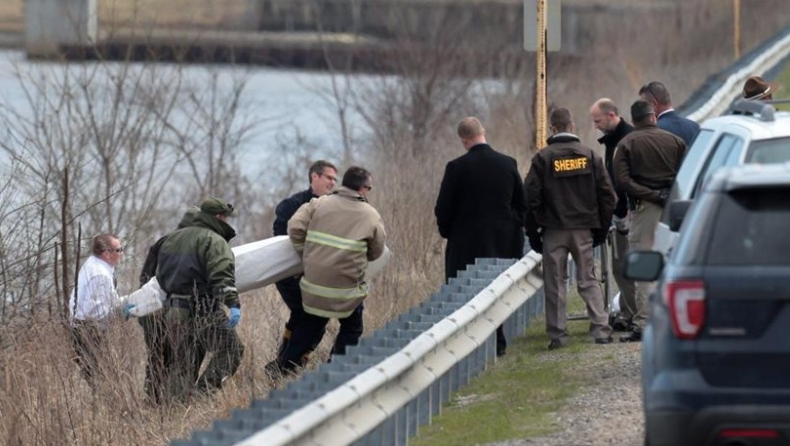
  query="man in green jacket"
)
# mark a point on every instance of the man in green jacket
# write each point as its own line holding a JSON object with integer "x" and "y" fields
{"x": 196, "y": 268}
{"x": 153, "y": 324}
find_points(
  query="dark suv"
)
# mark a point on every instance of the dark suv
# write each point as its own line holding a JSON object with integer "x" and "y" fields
{"x": 716, "y": 350}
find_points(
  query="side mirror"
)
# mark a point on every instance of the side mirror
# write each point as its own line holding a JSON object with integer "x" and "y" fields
{"x": 643, "y": 266}
{"x": 677, "y": 212}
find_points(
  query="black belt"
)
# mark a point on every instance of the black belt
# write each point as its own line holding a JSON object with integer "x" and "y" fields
{"x": 179, "y": 302}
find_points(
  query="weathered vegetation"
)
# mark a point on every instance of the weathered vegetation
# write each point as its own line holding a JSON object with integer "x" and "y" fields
{"x": 125, "y": 147}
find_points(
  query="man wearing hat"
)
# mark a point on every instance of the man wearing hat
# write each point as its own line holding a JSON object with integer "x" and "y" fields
{"x": 758, "y": 89}
{"x": 646, "y": 162}
{"x": 196, "y": 268}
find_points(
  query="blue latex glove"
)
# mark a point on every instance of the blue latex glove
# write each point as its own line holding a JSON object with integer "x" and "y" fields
{"x": 127, "y": 310}
{"x": 235, "y": 317}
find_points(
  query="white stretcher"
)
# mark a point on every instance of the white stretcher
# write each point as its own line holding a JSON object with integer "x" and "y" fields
{"x": 258, "y": 264}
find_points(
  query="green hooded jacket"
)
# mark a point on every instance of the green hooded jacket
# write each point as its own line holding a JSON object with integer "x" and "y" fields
{"x": 197, "y": 261}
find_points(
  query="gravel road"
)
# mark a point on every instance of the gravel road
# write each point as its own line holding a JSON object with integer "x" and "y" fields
{"x": 607, "y": 414}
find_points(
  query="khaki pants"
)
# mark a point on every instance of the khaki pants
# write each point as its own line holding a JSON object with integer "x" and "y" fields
{"x": 644, "y": 221}
{"x": 557, "y": 243}
{"x": 626, "y": 287}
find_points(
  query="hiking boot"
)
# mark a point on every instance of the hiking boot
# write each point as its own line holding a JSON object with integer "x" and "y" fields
{"x": 273, "y": 371}
{"x": 620, "y": 324}
{"x": 555, "y": 344}
{"x": 604, "y": 341}
{"x": 635, "y": 336}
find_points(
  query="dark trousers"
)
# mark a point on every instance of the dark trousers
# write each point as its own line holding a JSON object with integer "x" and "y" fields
{"x": 449, "y": 273}
{"x": 311, "y": 331}
{"x": 157, "y": 353}
{"x": 88, "y": 340}
{"x": 295, "y": 349}
{"x": 190, "y": 338}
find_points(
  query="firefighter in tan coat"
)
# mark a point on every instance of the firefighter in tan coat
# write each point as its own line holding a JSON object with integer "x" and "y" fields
{"x": 337, "y": 235}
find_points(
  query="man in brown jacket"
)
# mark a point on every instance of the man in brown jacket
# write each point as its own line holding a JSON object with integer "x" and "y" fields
{"x": 645, "y": 165}
{"x": 570, "y": 201}
{"x": 337, "y": 235}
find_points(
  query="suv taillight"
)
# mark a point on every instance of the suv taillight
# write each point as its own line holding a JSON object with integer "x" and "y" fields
{"x": 686, "y": 302}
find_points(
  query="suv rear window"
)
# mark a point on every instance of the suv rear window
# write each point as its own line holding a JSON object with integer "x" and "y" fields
{"x": 769, "y": 151}
{"x": 693, "y": 158}
{"x": 751, "y": 228}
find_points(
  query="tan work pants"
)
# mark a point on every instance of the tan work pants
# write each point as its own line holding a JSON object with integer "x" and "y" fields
{"x": 644, "y": 220}
{"x": 626, "y": 287}
{"x": 557, "y": 243}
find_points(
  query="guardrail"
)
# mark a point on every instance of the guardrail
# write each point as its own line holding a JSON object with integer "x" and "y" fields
{"x": 383, "y": 389}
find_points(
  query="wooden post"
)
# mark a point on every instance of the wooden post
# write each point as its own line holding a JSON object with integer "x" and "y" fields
{"x": 540, "y": 79}
{"x": 736, "y": 32}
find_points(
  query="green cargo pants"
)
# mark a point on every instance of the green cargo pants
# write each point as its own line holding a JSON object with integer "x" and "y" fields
{"x": 190, "y": 338}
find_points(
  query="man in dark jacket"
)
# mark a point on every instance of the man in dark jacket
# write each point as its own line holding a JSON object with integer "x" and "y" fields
{"x": 153, "y": 324}
{"x": 196, "y": 268}
{"x": 656, "y": 94}
{"x": 645, "y": 165}
{"x": 322, "y": 177}
{"x": 480, "y": 208}
{"x": 606, "y": 118}
{"x": 569, "y": 209}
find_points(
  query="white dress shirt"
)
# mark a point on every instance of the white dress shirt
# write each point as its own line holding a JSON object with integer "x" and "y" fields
{"x": 96, "y": 297}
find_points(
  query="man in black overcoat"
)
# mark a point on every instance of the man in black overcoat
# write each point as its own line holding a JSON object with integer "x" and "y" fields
{"x": 481, "y": 206}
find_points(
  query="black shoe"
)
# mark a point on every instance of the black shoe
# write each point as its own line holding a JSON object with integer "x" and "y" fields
{"x": 635, "y": 336}
{"x": 620, "y": 324}
{"x": 606, "y": 340}
{"x": 273, "y": 371}
{"x": 555, "y": 344}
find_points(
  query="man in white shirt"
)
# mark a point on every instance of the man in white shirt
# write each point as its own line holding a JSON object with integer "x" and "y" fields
{"x": 94, "y": 301}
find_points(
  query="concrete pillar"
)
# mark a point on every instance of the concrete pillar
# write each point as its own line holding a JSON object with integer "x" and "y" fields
{"x": 51, "y": 23}
{"x": 252, "y": 17}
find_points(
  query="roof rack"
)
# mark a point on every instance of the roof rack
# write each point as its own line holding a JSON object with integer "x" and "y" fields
{"x": 764, "y": 109}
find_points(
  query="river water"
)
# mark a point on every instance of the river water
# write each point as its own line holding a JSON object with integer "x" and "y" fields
{"x": 278, "y": 104}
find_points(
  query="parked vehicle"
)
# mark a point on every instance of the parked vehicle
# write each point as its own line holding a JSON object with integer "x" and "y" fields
{"x": 716, "y": 349}
{"x": 753, "y": 133}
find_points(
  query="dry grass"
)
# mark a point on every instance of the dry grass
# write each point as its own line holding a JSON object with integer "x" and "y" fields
{"x": 44, "y": 401}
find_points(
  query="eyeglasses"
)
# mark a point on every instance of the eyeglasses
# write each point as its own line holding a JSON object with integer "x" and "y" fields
{"x": 114, "y": 250}
{"x": 369, "y": 188}
{"x": 329, "y": 177}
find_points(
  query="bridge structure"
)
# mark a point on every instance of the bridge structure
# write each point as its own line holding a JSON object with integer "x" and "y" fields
{"x": 304, "y": 33}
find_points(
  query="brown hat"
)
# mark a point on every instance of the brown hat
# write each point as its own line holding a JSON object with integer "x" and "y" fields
{"x": 757, "y": 88}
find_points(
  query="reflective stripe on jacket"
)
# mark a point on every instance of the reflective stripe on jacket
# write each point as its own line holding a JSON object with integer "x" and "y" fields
{"x": 338, "y": 234}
